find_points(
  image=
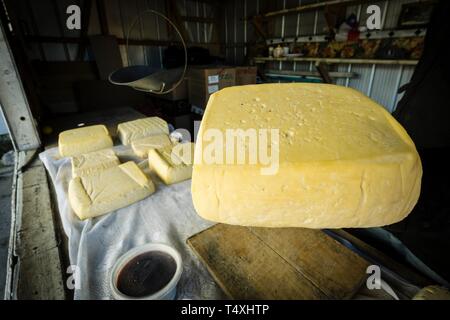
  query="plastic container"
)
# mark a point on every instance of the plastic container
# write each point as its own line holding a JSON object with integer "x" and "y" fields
{"x": 168, "y": 292}
{"x": 278, "y": 52}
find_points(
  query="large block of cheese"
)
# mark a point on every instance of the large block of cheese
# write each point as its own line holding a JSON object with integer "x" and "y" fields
{"x": 340, "y": 159}
{"x": 173, "y": 163}
{"x": 83, "y": 140}
{"x": 93, "y": 162}
{"x": 108, "y": 190}
{"x": 136, "y": 129}
{"x": 143, "y": 145}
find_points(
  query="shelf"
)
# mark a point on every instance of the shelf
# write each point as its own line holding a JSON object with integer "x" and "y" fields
{"x": 261, "y": 60}
{"x": 370, "y": 35}
{"x": 299, "y": 74}
{"x": 307, "y": 7}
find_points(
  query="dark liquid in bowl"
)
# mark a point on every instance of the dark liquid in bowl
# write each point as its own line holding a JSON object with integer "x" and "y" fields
{"x": 146, "y": 274}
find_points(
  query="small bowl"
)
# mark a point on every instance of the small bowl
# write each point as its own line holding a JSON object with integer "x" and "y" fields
{"x": 168, "y": 292}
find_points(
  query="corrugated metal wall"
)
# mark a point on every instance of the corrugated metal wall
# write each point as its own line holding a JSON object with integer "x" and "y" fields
{"x": 48, "y": 18}
{"x": 380, "y": 82}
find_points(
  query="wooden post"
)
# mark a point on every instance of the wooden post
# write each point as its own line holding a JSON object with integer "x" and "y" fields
{"x": 323, "y": 71}
{"x": 174, "y": 16}
{"x": 85, "y": 17}
{"x": 102, "y": 18}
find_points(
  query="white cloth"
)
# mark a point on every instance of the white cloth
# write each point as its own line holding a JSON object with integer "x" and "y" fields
{"x": 167, "y": 216}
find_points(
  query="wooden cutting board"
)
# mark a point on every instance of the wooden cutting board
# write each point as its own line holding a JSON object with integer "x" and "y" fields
{"x": 284, "y": 263}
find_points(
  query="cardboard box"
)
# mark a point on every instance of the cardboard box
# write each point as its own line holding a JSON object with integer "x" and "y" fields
{"x": 245, "y": 75}
{"x": 180, "y": 92}
{"x": 203, "y": 81}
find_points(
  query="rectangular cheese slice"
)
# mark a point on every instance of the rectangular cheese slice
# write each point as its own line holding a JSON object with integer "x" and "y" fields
{"x": 84, "y": 140}
{"x": 326, "y": 157}
{"x": 142, "y": 146}
{"x": 108, "y": 190}
{"x": 141, "y": 128}
{"x": 91, "y": 163}
{"x": 173, "y": 163}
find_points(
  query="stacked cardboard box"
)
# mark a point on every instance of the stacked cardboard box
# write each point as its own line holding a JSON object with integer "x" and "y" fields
{"x": 245, "y": 75}
{"x": 180, "y": 92}
{"x": 204, "y": 81}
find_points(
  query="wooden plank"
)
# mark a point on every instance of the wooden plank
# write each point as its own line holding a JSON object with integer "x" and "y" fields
{"x": 103, "y": 19}
{"x": 372, "y": 34}
{"x": 85, "y": 18}
{"x": 323, "y": 70}
{"x": 35, "y": 28}
{"x": 36, "y": 277}
{"x": 174, "y": 15}
{"x": 333, "y": 74}
{"x": 107, "y": 54}
{"x": 311, "y": 7}
{"x": 321, "y": 259}
{"x": 340, "y": 60}
{"x": 265, "y": 263}
{"x": 246, "y": 268}
{"x": 198, "y": 19}
{"x": 317, "y": 6}
{"x": 133, "y": 42}
{"x": 60, "y": 27}
{"x": 38, "y": 272}
{"x": 85, "y": 40}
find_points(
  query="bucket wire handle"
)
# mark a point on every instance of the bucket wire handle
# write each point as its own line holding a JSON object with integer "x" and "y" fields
{"x": 138, "y": 18}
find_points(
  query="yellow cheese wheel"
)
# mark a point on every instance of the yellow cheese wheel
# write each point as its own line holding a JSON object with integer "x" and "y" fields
{"x": 325, "y": 156}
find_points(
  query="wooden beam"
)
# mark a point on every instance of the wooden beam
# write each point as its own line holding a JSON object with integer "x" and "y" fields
{"x": 48, "y": 39}
{"x": 340, "y": 60}
{"x": 323, "y": 71}
{"x": 35, "y": 27}
{"x": 198, "y": 19}
{"x": 310, "y": 7}
{"x": 258, "y": 26}
{"x": 210, "y": 2}
{"x": 85, "y": 17}
{"x": 310, "y": 73}
{"x": 102, "y": 18}
{"x": 85, "y": 41}
{"x": 132, "y": 42}
{"x": 60, "y": 26}
{"x": 174, "y": 16}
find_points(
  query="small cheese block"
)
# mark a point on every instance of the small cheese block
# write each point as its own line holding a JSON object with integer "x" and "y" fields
{"x": 84, "y": 140}
{"x": 141, "y": 128}
{"x": 91, "y": 163}
{"x": 326, "y": 157}
{"x": 108, "y": 190}
{"x": 173, "y": 163}
{"x": 142, "y": 146}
